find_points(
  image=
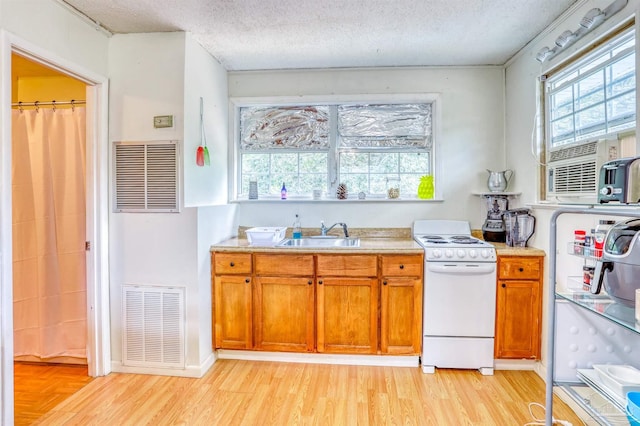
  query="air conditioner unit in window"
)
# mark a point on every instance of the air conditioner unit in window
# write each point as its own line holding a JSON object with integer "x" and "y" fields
{"x": 573, "y": 170}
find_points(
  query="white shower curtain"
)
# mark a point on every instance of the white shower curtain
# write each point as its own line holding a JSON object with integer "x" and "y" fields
{"x": 49, "y": 263}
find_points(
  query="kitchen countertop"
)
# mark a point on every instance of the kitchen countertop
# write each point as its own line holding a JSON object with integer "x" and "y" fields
{"x": 503, "y": 250}
{"x": 373, "y": 245}
{"x": 373, "y": 240}
{"x": 367, "y": 245}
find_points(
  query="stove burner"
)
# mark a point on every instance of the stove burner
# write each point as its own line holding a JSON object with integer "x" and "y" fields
{"x": 441, "y": 241}
{"x": 463, "y": 239}
{"x": 432, "y": 237}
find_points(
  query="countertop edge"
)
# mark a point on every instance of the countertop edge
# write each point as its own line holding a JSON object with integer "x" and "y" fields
{"x": 367, "y": 245}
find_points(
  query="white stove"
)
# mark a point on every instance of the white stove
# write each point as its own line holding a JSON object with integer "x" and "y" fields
{"x": 459, "y": 296}
{"x": 450, "y": 241}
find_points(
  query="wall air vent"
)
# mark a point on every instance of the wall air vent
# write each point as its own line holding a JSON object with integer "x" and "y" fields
{"x": 573, "y": 171}
{"x": 146, "y": 176}
{"x": 153, "y": 320}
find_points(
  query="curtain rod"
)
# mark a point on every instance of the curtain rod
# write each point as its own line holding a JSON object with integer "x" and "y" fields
{"x": 51, "y": 103}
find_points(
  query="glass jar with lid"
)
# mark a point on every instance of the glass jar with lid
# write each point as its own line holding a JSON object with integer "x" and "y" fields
{"x": 393, "y": 187}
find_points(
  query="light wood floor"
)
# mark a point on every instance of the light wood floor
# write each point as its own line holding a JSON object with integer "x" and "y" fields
{"x": 38, "y": 388}
{"x": 270, "y": 393}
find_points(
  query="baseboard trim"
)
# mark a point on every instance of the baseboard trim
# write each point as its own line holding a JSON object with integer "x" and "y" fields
{"x": 192, "y": 371}
{"x": 516, "y": 364}
{"x": 314, "y": 358}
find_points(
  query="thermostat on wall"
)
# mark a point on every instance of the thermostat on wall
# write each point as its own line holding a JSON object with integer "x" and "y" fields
{"x": 161, "y": 121}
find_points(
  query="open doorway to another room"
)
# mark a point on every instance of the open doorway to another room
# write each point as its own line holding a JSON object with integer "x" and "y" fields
{"x": 49, "y": 222}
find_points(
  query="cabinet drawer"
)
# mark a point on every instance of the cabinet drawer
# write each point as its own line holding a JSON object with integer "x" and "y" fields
{"x": 284, "y": 264}
{"x": 347, "y": 265}
{"x": 232, "y": 263}
{"x": 519, "y": 267}
{"x": 402, "y": 266}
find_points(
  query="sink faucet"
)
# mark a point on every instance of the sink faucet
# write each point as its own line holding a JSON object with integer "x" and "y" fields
{"x": 324, "y": 229}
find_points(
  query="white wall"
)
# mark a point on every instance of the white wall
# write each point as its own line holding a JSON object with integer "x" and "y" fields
{"x": 205, "y": 187}
{"x": 52, "y": 27}
{"x": 165, "y": 74}
{"x": 521, "y": 74}
{"x": 471, "y": 139}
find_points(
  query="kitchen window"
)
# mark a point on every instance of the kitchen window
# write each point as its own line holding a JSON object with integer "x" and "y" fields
{"x": 365, "y": 146}
{"x": 595, "y": 96}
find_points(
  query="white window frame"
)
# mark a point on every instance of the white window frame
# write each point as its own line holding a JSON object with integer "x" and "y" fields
{"x": 572, "y": 66}
{"x": 235, "y": 103}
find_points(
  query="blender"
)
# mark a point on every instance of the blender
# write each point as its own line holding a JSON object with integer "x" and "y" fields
{"x": 493, "y": 229}
{"x": 520, "y": 226}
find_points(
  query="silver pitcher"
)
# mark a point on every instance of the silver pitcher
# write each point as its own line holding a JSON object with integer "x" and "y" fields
{"x": 498, "y": 181}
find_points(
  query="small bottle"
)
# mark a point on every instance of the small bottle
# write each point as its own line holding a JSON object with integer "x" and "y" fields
{"x": 283, "y": 192}
{"x": 297, "y": 228}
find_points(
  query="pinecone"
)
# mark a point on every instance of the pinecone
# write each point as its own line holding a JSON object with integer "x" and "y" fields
{"x": 341, "y": 192}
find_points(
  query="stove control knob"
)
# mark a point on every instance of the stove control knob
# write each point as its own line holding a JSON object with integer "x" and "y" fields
{"x": 448, "y": 253}
{"x": 436, "y": 253}
{"x": 472, "y": 254}
{"x": 461, "y": 253}
{"x": 485, "y": 253}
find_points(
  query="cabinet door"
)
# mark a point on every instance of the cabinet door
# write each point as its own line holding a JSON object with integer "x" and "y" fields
{"x": 518, "y": 308}
{"x": 347, "y": 315}
{"x": 233, "y": 312}
{"x": 401, "y": 315}
{"x": 284, "y": 314}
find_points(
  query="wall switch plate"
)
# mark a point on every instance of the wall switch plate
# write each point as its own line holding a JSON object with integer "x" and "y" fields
{"x": 162, "y": 121}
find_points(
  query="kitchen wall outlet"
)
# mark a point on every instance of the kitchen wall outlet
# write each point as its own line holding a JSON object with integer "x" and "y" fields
{"x": 162, "y": 121}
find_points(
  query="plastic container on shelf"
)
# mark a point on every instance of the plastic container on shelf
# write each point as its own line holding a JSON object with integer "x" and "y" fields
{"x": 579, "y": 236}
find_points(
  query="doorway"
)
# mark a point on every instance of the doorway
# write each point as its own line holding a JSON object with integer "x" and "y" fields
{"x": 98, "y": 358}
{"x": 48, "y": 214}
{"x": 49, "y": 207}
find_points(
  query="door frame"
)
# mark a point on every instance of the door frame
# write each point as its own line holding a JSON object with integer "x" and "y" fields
{"x": 97, "y": 216}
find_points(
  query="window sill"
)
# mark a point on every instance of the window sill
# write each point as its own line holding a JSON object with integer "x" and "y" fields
{"x": 335, "y": 200}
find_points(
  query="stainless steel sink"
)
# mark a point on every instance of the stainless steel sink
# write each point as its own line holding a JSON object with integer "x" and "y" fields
{"x": 320, "y": 242}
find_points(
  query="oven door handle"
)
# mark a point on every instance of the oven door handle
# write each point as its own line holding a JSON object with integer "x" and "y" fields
{"x": 461, "y": 268}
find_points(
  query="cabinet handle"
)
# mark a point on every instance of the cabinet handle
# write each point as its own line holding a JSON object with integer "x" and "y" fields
{"x": 384, "y": 282}
{"x": 504, "y": 285}
{"x": 521, "y": 269}
{"x": 320, "y": 282}
{"x": 309, "y": 282}
{"x": 401, "y": 266}
{"x": 247, "y": 280}
{"x": 232, "y": 264}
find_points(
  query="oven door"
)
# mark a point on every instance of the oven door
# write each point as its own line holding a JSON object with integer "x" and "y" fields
{"x": 459, "y": 299}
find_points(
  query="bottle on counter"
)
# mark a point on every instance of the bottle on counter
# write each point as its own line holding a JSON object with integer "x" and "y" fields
{"x": 283, "y": 192}
{"x": 297, "y": 228}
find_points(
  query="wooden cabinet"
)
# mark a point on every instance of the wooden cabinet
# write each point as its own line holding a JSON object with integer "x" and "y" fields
{"x": 232, "y": 295}
{"x": 401, "y": 304}
{"x": 519, "y": 307}
{"x": 347, "y": 304}
{"x": 284, "y": 308}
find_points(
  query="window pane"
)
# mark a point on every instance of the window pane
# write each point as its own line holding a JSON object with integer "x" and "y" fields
{"x": 562, "y": 129}
{"x": 562, "y": 103}
{"x": 590, "y": 91}
{"x": 415, "y": 163}
{"x": 284, "y": 127}
{"x": 384, "y": 163}
{"x": 356, "y": 182}
{"x": 313, "y": 163}
{"x": 590, "y": 121}
{"x": 351, "y": 162}
{"x": 622, "y": 76}
{"x": 622, "y": 109}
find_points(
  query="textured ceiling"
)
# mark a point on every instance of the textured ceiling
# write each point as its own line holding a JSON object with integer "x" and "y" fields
{"x": 281, "y": 34}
